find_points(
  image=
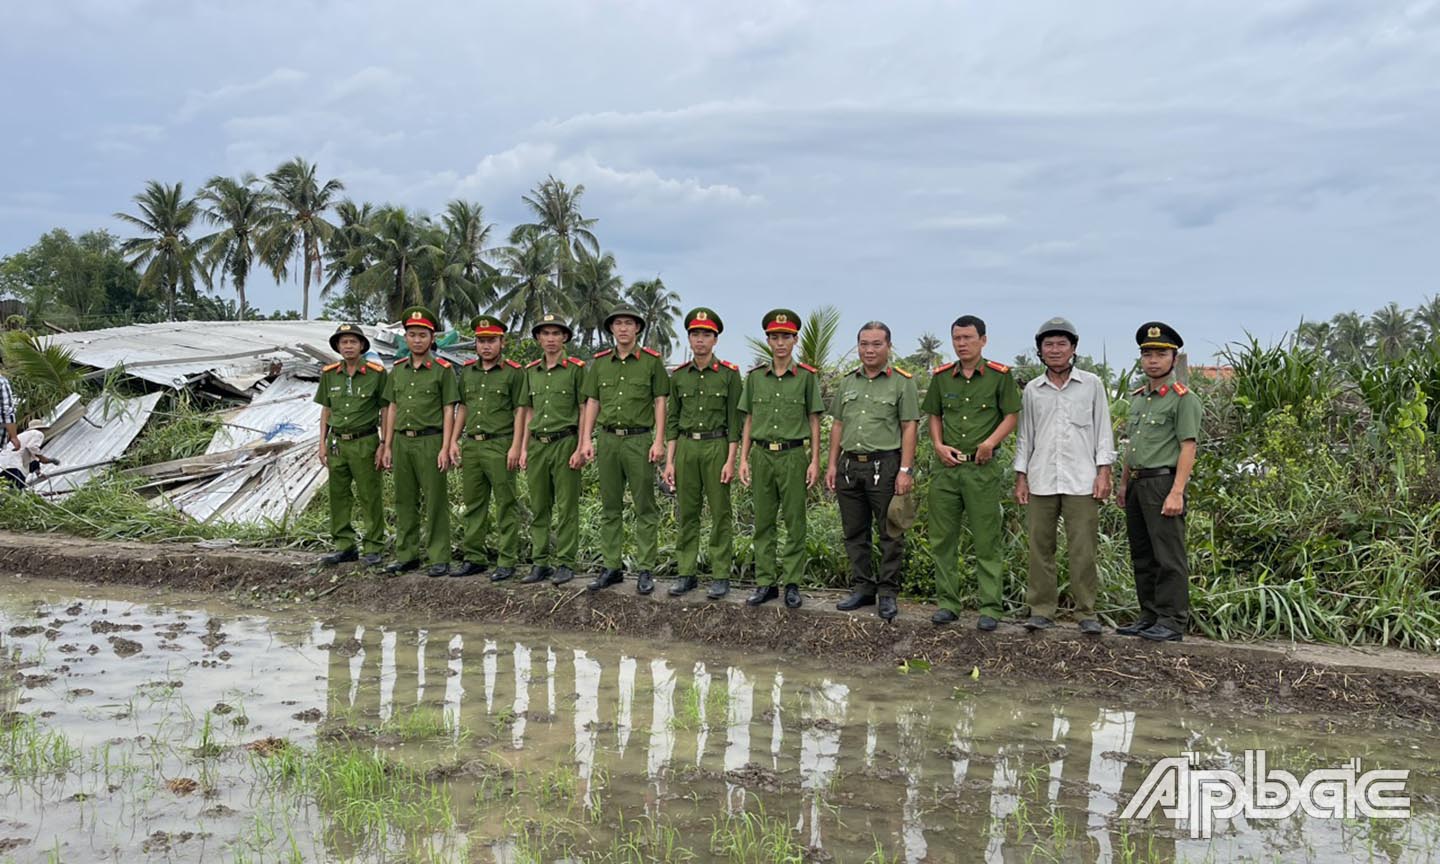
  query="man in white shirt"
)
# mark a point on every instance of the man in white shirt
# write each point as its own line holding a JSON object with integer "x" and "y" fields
{"x": 1063, "y": 452}
{"x": 18, "y": 464}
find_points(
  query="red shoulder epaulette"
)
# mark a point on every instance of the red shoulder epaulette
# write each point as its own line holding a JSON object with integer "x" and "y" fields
{"x": 373, "y": 365}
{"x": 765, "y": 365}
{"x": 1180, "y": 389}
{"x": 946, "y": 368}
{"x": 1138, "y": 390}
{"x": 808, "y": 368}
{"x": 534, "y": 363}
{"x": 651, "y": 351}
{"x": 728, "y": 365}
{"x": 471, "y": 362}
{"x": 902, "y": 372}
{"x": 576, "y": 360}
{"x": 604, "y": 353}
{"x": 442, "y": 361}
{"x": 998, "y": 367}
{"x": 683, "y": 365}
{"x": 331, "y": 368}
{"x": 511, "y": 363}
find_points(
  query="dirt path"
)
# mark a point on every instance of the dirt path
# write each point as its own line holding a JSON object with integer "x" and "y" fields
{"x": 1235, "y": 677}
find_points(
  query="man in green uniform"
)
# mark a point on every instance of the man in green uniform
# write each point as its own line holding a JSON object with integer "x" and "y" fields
{"x": 872, "y": 456}
{"x": 1162, "y": 428}
{"x": 781, "y": 403}
{"x": 703, "y": 434}
{"x": 351, "y": 397}
{"x": 420, "y": 389}
{"x": 551, "y": 453}
{"x": 625, "y": 392}
{"x": 488, "y": 434}
{"x": 973, "y": 405}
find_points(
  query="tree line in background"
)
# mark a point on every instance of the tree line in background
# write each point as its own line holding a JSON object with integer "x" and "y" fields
{"x": 365, "y": 261}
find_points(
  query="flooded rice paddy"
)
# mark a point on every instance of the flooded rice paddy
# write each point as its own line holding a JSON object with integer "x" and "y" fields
{"x": 140, "y": 728}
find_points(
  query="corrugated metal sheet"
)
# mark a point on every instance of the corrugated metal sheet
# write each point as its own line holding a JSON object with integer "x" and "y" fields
{"x": 273, "y": 487}
{"x": 101, "y": 436}
{"x": 284, "y": 411}
{"x": 175, "y": 352}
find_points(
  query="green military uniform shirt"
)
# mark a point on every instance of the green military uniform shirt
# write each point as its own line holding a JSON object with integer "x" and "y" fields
{"x": 704, "y": 400}
{"x": 554, "y": 393}
{"x": 492, "y": 395}
{"x": 1161, "y": 416}
{"x": 872, "y": 409}
{"x": 354, "y": 400}
{"x": 780, "y": 405}
{"x": 421, "y": 394}
{"x": 971, "y": 408}
{"x": 626, "y": 388}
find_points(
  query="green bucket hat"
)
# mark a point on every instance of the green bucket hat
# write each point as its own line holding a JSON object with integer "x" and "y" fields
{"x": 349, "y": 330}
{"x": 625, "y": 311}
{"x": 550, "y": 319}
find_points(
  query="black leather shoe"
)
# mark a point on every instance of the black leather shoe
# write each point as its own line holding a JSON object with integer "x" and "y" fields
{"x": 395, "y": 568}
{"x": 562, "y": 575}
{"x": 372, "y": 559}
{"x": 684, "y": 585}
{"x": 1161, "y": 633}
{"x": 1091, "y": 627}
{"x": 467, "y": 568}
{"x": 855, "y": 601}
{"x": 1134, "y": 627}
{"x": 718, "y": 589}
{"x": 792, "y": 597}
{"x": 1038, "y": 622}
{"x": 645, "y": 582}
{"x": 944, "y": 616}
{"x": 763, "y": 594}
{"x": 502, "y": 573}
{"x": 537, "y": 574}
{"x": 986, "y": 623}
{"x": 435, "y": 570}
{"x": 888, "y": 609}
{"x": 606, "y": 579}
{"x": 339, "y": 557}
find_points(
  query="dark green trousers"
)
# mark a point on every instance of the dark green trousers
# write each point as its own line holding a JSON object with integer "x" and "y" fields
{"x": 419, "y": 482}
{"x": 777, "y": 488}
{"x": 1082, "y": 526}
{"x": 353, "y": 477}
{"x": 697, "y": 481}
{"x": 970, "y": 491}
{"x": 486, "y": 475}
{"x": 626, "y": 462}
{"x": 554, "y": 493}
{"x": 864, "y": 490}
{"x": 1157, "y": 551}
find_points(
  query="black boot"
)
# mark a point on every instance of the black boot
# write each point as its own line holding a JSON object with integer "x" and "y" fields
{"x": 792, "y": 597}
{"x": 1134, "y": 627}
{"x": 395, "y": 568}
{"x": 645, "y": 583}
{"x": 502, "y": 573}
{"x": 372, "y": 559}
{"x": 339, "y": 557}
{"x": 855, "y": 601}
{"x": 606, "y": 579}
{"x": 684, "y": 585}
{"x": 887, "y": 609}
{"x": 718, "y": 589}
{"x": 763, "y": 594}
{"x": 467, "y": 568}
{"x": 435, "y": 570}
{"x": 537, "y": 574}
{"x": 562, "y": 575}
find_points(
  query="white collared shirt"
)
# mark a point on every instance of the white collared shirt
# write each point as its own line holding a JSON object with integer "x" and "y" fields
{"x": 1064, "y": 434}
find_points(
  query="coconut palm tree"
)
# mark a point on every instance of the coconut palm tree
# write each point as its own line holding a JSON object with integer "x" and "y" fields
{"x": 303, "y": 232}
{"x": 1351, "y": 337}
{"x": 400, "y": 248}
{"x": 164, "y": 254}
{"x": 243, "y": 213}
{"x": 525, "y": 290}
{"x": 1427, "y": 315}
{"x": 466, "y": 283}
{"x": 660, "y": 307}
{"x": 928, "y": 350}
{"x": 350, "y": 247}
{"x": 1314, "y": 335}
{"x": 816, "y": 341}
{"x": 1393, "y": 329}
{"x": 596, "y": 288}
{"x": 557, "y": 215}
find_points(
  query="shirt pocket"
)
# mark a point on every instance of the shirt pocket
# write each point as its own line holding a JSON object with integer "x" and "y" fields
{"x": 1080, "y": 416}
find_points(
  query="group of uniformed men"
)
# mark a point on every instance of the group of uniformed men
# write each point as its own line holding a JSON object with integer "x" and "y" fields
{"x": 628, "y": 414}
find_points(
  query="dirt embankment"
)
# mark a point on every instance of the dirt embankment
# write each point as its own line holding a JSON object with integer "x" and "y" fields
{"x": 1266, "y": 677}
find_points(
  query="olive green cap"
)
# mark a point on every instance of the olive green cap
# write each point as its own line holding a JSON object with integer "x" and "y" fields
{"x": 487, "y": 325}
{"x": 704, "y": 318}
{"x": 419, "y": 316}
{"x": 781, "y": 321}
{"x": 349, "y": 330}
{"x": 550, "y": 319}
{"x": 900, "y": 515}
{"x": 625, "y": 311}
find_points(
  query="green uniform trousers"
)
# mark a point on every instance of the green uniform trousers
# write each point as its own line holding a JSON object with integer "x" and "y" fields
{"x": 485, "y": 474}
{"x": 626, "y": 462}
{"x": 1082, "y": 525}
{"x": 417, "y": 476}
{"x": 1157, "y": 550}
{"x": 967, "y": 490}
{"x": 353, "y": 462}
{"x": 777, "y": 487}
{"x": 863, "y": 490}
{"x": 554, "y": 492}
{"x": 697, "y": 481}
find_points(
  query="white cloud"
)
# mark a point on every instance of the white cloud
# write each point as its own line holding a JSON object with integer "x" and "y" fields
{"x": 201, "y": 101}
{"x": 965, "y": 222}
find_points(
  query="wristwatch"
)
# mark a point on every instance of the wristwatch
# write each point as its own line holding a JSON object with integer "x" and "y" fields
{"x": 906, "y": 469}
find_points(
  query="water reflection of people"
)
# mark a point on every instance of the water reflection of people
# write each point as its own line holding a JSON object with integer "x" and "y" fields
{"x": 821, "y": 723}
{"x": 737, "y": 736}
{"x": 587, "y": 719}
{"x": 662, "y": 733}
{"x": 521, "y": 707}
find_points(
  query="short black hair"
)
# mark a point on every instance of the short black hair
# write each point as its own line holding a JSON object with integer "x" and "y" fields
{"x": 874, "y": 325}
{"x": 969, "y": 321}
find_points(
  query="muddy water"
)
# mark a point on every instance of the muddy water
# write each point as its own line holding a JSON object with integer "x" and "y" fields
{"x": 139, "y": 727}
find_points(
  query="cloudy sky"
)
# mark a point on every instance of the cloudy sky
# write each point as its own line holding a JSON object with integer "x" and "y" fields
{"x": 1224, "y": 165}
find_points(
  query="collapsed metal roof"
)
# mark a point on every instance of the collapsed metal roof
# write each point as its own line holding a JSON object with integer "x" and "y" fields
{"x": 91, "y": 443}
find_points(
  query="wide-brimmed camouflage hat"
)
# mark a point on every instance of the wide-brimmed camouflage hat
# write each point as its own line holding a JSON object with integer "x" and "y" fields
{"x": 625, "y": 311}
{"x": 349, "y": 330}
{"x": 703, "y": 318}
{"x": 419, "y": 316}
{"x": 550, "y": 319}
